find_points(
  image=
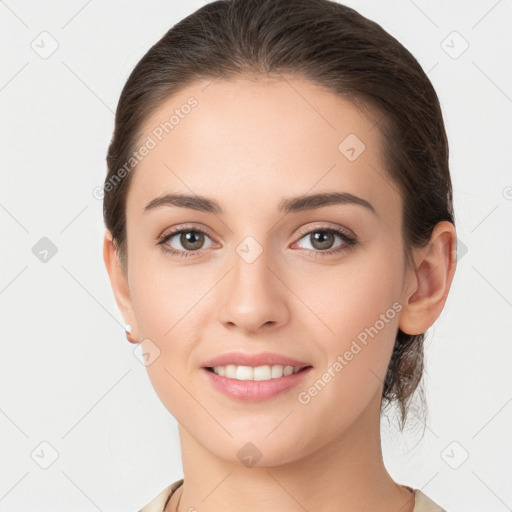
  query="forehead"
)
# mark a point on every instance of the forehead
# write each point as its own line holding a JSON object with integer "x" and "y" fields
{"x": 243, "y": 140}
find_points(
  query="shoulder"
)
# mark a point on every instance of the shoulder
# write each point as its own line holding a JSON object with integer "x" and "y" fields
{"x": 158, "y": 503}
{"x": 424, "y": 504}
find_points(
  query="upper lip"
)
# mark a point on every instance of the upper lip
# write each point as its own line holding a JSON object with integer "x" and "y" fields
{"x": 261, "y": 359}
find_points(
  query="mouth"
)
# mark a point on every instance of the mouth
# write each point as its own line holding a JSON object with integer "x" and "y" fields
{"x": 247, "y": 377}
{"x": 256, "y": 373}
{"x": 255, "y": 384}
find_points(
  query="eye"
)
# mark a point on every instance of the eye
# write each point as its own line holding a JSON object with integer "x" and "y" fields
{"x": 321, "y": 239}
{"x": 190, "y": 239}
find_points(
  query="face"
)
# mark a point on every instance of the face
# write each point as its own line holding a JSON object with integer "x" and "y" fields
{"x": 320, "y": 282}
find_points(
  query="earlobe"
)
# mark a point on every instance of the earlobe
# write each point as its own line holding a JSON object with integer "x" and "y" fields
{"x": 128, "y": 330}
{"x": 430, "y": 282}
{"x": 119, "y": 282}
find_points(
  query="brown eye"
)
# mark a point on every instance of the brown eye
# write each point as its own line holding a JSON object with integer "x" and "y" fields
{"x": 191, "y": 240}
{"x": 322, "y": 239}
{"x": 184, "y": 242}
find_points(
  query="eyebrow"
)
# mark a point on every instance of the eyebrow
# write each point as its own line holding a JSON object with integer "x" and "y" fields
{"x": 289, "y": 205}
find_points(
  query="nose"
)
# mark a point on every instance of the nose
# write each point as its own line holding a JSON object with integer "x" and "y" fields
{"x": 254, "y": 296}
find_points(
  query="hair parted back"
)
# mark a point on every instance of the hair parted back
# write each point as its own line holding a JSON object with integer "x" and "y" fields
{"x": 335, "y": 47}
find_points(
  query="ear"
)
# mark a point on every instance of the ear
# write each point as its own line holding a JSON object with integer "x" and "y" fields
{"x": 119, "y": 282}
{"x": 428, "y": 285}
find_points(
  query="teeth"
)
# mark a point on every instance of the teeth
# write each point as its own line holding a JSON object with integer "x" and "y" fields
{"x": 267, "y": 372}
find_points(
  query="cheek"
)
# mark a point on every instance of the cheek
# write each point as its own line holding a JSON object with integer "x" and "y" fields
{"x": 173, "y": 305}
{"x": 164, "y": 292}
{"x": 354, "y": 293}
{"x": 361, "y": 312}
{"x": 356, "y": 313}
{"x": 169, "y": 306}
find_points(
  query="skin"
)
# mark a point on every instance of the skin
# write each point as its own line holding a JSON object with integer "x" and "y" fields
{"x": 249, "y": 144}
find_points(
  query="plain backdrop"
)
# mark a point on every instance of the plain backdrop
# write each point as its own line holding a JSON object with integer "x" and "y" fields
{"x": 80, "y": 425}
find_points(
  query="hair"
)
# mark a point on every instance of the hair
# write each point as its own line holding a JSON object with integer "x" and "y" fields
{"x": 335, "y": 47}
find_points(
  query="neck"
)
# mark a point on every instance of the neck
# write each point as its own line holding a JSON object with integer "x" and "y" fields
{"x": 347, "y": 473}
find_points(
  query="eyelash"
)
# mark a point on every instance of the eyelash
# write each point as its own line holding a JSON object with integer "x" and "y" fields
{"x": 350, "y": 241}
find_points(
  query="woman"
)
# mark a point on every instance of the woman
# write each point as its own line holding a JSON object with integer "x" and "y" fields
{"x": 280, "y": 235}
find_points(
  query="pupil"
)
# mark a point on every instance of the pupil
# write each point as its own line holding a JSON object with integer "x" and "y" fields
{"x": 322, "y": 237}
{"x": 193, "y": 239}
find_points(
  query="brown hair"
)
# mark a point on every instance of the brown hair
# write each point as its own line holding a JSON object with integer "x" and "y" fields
{"x": 333, "y": 46}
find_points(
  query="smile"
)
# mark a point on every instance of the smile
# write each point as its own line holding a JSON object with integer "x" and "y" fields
{"x": 254, "y": 384}
{"x": 259, "y": 373}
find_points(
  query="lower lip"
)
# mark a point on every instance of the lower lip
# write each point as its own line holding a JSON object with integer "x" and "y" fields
{"x": 255, "y": 390}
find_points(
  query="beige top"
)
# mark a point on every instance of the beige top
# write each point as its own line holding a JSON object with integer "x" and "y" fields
{"x": 422, "y": 502}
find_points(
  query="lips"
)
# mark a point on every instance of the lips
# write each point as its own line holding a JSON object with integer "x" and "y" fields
{"x": 261, "y": 359}
{"x": 254, "y": 390}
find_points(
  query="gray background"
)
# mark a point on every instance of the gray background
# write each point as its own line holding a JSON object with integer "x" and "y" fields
{"x": 70, "y": 386}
